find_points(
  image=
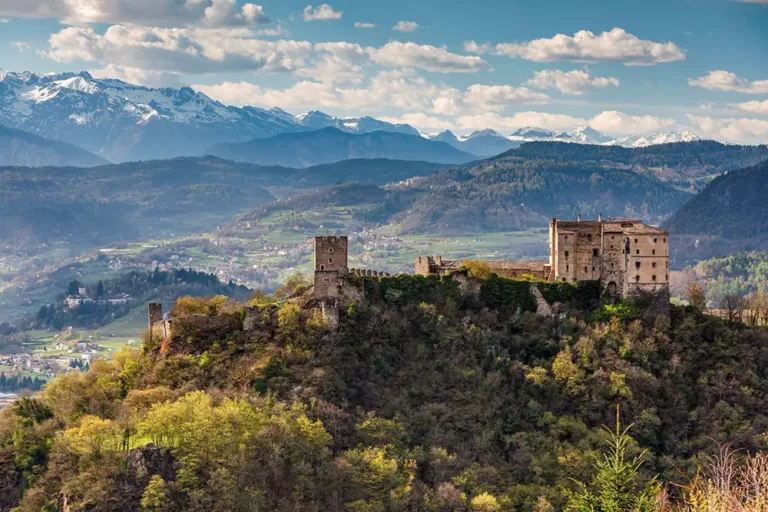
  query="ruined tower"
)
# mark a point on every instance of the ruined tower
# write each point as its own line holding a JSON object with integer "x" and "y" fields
{"x": 155, "y": 313}
{"x": 330, "y": 265}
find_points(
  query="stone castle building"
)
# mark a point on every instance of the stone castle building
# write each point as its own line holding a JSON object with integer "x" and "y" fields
{"x": 627, "y": 256}
{"x": 331, "y": 265}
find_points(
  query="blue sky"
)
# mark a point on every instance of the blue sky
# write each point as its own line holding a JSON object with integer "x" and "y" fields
{"x": 626, "y": 68}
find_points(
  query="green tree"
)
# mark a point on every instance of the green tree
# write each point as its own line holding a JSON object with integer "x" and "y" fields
{"x": 155, "y": 496}
{"x": 614, "y": 487}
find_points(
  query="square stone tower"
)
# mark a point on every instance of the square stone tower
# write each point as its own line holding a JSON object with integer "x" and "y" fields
{"x": 331, "y": 265}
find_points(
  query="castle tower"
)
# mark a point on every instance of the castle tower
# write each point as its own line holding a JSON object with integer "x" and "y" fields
{"x": 331, "y": 260}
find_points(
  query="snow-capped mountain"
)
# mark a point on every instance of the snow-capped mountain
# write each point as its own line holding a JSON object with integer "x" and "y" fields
{"x": 666, "y": 137}
{"x": 587, "y": 135}
{"x": 120, "y": 121}
{"x": 316, "y": 120}
{"x": 481, "y": 143}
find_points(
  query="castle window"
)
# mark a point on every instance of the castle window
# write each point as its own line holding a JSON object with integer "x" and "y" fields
{"x": 330, "y": 260}
{"x": 637, "y": 252}
{"x": 666, "y": 277}
{"x": 653, "y": 264}
{"x": 330, "y": 250}
{"x": 637, "y": 279}
{"x": 653, "y": 277}
{"x": 655, "y": 240}
{"x": 611, "y": 264}
{"x": 637, "y": 264}
{"x": 566, "y": 254}
{"x": 667, "y": 264}
{"x": 585, "y": 270}
{"x": 566, "y": 268}
{"x": 595, "y": 252}
{"x": 322, "y": 267}
{"x": 589, "y": 237}
{"x": 327, "y": 279}
{"x": 635, "y": 240}
{"x": 653, "y": 251}
{"x": 593, "y": 269}
{"x": 566, "y": 238}
{"x": 574, "y": 279}
{"x": 665, "y": 240}
{"x": 563, "y": 279}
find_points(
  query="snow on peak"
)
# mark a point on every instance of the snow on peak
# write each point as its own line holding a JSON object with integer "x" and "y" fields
{"x": 78, "y": 83}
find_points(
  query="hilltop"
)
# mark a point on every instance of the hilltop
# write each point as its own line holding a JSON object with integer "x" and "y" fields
{"x": 424, "y": 394}
{"x": 730, "y": 214}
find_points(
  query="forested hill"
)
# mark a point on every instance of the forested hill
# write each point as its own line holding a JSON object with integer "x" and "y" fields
{"x": 685, "y": 164}
{"x": 425, "y": 398}
{"x": 133, "y": 200}
{"x": 734, "y": 205}
{"x": 495, "y": 195}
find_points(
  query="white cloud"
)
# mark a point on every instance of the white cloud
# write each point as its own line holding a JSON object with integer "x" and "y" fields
{"x": 388, "y": 90}
{"x": 430, "y": 58}
{"x": 140, "y": 76}
{"x": 21, "y": 46}
{"x": 187, "y": 50}
{"x": 758, "y": 107}
{"x": 422, "y": 121}
{"x": 338, "y": 64}
{"x": 518, "y": 120}
{"x": 616, "y": 45}
{"x": 213, "y": 13}
{"x": 763, "y": 2}
{"x": 405, "y": 26}
{"x": 321, "y": 12}
{"x": 4, "y": 20}
{"x": 496, "y": 98}
{"x": 360, "y": 24}
{"x": 743, "y": 130}
{"x": 721, "y": 80}
{"x": 473, "y": 47}
{"x": 574, "y": 82}
{"x": 617, "y": 122}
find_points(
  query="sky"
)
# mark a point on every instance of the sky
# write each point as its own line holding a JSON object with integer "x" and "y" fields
{"x": 622, "y": 67}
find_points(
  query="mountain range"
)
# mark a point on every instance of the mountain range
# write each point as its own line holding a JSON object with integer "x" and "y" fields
{"x": 330, "y": 145}
{"x": 120, "y": 122}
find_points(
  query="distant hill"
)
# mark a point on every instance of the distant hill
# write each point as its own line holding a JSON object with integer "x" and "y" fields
{"x": 485, "y": 143}
{"x": 20, "y": 148}
{"x": 686, "y": 165}
{"x": 332, "y": 145}
{"x": 730, "y": 214}
{"x": 498, "y": 194}
{"x": 133, "y": 200}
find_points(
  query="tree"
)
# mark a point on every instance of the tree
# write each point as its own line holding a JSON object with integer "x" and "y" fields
{"x": 155, "y": 496}
{"x": 73, "y": 288}
{"x": 734, "y": 307}
{"x": 696, "y": 297}
{"x": 100, "y": 289}
{"x": 614, "y": 488}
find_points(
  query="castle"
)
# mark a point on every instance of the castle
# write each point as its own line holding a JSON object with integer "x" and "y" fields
{"x": 626, "y": 255}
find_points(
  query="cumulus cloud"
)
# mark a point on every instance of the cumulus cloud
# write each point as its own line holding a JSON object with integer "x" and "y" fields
{"x": 499, "y": 97}
{"x": 473, "y": 47}
{"x": 405, "y": 26}
{"x": 140, "y": 76}
{"x": 430, "y": 58}
{"x": 187, "y": 50}
{"x": 321, "y": 12}
{"x": 574, "y": 82}
{"x": 213, "y": 13}
{"x": 397, "y": 89}
{"x": 721, "y": 80}
{"x": 758, "y": 107}
{"x": 616, "y": 45}
{"x": 732, "y": 129}
{"x": 360, "y": 24}
{"x": 617, "y": 122}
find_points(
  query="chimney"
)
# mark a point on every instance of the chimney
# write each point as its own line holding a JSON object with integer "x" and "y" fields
{"x": 578, "y": 218}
